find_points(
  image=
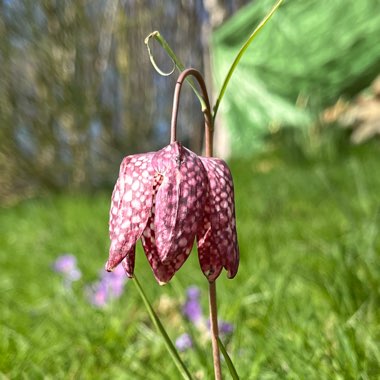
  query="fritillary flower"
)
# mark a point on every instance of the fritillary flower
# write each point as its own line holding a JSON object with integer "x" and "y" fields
{"x": 167, "y": 198}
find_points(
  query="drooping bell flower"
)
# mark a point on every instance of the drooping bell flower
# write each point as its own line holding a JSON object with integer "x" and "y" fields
{"x": 167, "y": 198}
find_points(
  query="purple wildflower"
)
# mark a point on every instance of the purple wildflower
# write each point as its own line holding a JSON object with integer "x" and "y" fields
{"x": 67, "y": 266}
{"x": 114, "y": 281}
{"x": 192, "y": 308}
{"x": 193, "y": 292}
{"x": 183, "y": 342}
{"x": 98, "y": 294}
{"x": 226, "y": 328}
{"x": 110, "y": 286}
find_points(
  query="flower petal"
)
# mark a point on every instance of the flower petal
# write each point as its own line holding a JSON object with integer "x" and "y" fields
{"x": 132, "y": 200}
{"x": 210, "y": 260}
{"x": 179, "y": 201}
{"x": 163, "y": 272}
{"x": 217, "y": 238}
{"x": 128, "y": 262}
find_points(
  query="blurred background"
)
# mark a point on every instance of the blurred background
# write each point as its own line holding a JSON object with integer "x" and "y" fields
{"x": 78, "y": 92}
{"x": 299, "y": 126}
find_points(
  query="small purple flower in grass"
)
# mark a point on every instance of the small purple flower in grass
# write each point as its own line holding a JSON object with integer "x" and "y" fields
{"x": 98, "y": 294}
{"x": 114, "y": 281}
{"x": 183, "y": 342}
{"x": 67, "y": 266}
{"x": 225, "y": 328}
{"x": 167, "y": 198}
{"x": 110, "y": 286}
{"x": 192, "y": 308}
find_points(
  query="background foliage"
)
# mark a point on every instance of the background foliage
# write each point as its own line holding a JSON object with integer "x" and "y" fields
{"x": 305, "y": 303}
{"x": 308, "y": 56}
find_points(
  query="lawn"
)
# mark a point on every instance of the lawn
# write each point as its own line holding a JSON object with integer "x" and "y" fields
{"x": 305, "y": 303}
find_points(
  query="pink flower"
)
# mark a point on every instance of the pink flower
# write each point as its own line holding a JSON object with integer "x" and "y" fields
{"x": 192, "y": 309}
{"x": 109, "y": 287}
{"x": 167, "y": 198}
{"x": 184, "y": 342}
{"x": 67, "y": 265}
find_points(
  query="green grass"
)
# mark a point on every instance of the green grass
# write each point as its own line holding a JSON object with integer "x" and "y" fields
{"x": 305, "y": 303}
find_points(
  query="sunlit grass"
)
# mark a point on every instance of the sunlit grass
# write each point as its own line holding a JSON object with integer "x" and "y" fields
{"x": 305, "y": 303}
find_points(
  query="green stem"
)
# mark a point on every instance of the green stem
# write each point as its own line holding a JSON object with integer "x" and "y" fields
{"x": 240, "y": 54}
{"x": 179, "y": 65}
{"x": 228, "y": 360}
{"x": 176, "y": 61}
{"x": 160, "y": 328}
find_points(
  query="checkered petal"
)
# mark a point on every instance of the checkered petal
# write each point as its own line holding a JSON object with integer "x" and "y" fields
{"x": 216, "y": 237}
{"x": 131, "y": 204}
{"x": 163, "y": 272}
{"x": 179, "y": 201}
{"x": 128, "y": 262}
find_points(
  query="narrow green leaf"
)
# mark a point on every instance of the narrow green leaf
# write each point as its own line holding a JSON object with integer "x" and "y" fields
{"x": 228, "y": 360}
{"x": 160, "y": 328}
{"x": 240, "y": 54}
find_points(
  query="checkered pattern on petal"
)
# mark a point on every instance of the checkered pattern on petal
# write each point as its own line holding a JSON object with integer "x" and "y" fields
{"x": 131, "y": 204}
{"x": 179, "y": 201}
{"x": 217, "y": 238}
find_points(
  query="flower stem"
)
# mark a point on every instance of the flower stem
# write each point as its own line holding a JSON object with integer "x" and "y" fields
{"x": 214, "y": 330}
{"x": 160, "y": 328}
{"x": 179, "y": 65}
{"x": 209, "y": 131}
{"x": 206, "y": 109}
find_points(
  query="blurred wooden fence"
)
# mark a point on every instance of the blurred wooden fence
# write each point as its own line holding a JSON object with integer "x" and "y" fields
{"x": 77, "y": 90}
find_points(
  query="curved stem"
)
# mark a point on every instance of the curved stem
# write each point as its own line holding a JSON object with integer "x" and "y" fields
{"x": 209, "y": 152}
{"x": 206, "y": 109}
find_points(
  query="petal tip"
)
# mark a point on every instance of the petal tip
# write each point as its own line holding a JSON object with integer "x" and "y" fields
{"x": 231, "y": 275}
{"x": 108, "y": 267}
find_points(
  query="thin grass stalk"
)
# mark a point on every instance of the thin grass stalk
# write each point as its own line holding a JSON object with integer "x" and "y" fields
{"x": 160, "y": 328}
{"x": 228, "y": 360}
{"x": 240, "y": 54}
